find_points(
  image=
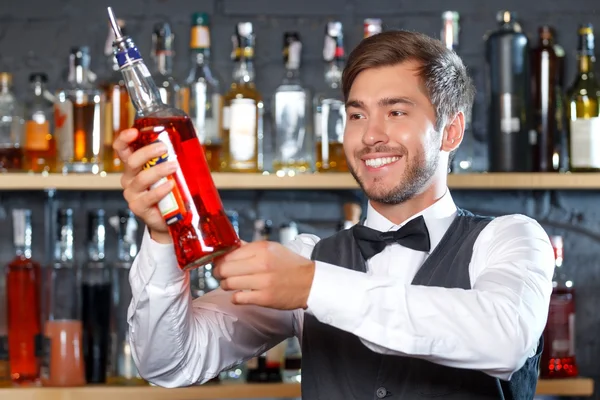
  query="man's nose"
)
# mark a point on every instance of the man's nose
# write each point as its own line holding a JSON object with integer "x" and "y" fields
{"x": 375, "y": 133}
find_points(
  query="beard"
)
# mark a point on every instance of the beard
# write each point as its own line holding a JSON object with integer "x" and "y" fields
{"x": 415, "y": 177}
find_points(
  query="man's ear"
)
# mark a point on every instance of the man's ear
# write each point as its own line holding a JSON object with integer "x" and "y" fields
{"x": 453, "y": 132}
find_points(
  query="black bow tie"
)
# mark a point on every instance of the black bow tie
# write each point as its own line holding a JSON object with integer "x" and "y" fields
{"x": 413, "y": 235}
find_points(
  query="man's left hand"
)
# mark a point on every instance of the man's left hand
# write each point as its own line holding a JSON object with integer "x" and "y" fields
{"x": 266, "y": 274}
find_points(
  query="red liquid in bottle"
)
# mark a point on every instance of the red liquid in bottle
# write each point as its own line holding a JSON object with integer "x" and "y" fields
{"x": 558, "y": 357}
{"x": 193, "y": 211}
{"x": 24, "y": 319}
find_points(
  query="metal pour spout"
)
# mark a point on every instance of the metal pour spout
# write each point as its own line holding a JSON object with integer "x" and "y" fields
{"x": 115, "y": 26}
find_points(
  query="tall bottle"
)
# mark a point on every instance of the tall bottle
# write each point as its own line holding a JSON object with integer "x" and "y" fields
{"x": 330, "y": 111}
{"x": 121, "y": 369}
{"x": 163, "y": 52}
{"x": 39, "y": 145}
{"x": 23, "y": 292}
{"x": 79, "y": 118}
{"x": 203, "y": 92}
{"x": 11, "y": 127}
{"x": 558, "y": 358}
{"x": 97, "y": 295}
{"x": 119, "y": 113}
{"x": 63, "y": 328}
{"x": 193, "y": 210}
{"x": 544, "y": 92}
{"x": 510, "y": 135}
{"x": 582, "y": 107}
{"x": 243, "y": 108}
{"x": 292, "y": 110}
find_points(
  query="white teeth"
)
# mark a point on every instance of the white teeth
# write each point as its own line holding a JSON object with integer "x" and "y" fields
{"x": 379, "y": 162}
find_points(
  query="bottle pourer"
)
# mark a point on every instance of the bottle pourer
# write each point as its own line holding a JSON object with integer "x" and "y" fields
{"x": 126, "y": 51}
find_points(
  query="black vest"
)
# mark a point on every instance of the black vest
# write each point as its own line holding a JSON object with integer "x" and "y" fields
{"x": 337, "y": 366}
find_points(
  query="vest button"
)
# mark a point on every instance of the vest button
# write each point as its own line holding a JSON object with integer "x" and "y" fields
{"x": 381, "y": 392}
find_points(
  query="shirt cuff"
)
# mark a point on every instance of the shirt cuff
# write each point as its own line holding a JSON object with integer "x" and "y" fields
{"x": 337, "y": 296}
{"x": 158, "y": 262}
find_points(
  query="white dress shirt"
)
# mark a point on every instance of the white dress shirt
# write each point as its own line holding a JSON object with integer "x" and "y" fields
{"x": 494, "y": 327}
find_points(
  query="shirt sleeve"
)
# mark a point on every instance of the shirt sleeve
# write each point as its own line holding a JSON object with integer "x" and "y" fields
{"x": 494, "y": 327}
{"x": 177, "y": 341}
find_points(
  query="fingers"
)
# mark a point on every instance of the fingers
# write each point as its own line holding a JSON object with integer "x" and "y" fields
{"x": 121, "y": 143}
{"x": 150, "y": 176}
{"x": 256, "y": 297}
{"x": 138, "y": 159}
{"x": 246, "y": 282}
{"x": 144, "y": 203}
{"x": 248, "y": 250}
{"x": 246, "y": 266}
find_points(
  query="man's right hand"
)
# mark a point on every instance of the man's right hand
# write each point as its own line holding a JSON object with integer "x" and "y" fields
{"x": 136, "y": 182}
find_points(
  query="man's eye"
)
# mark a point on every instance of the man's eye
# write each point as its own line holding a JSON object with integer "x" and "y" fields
{"x": 397, "y": 113}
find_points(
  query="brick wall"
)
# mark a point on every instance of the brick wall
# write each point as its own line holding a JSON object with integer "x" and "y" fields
{"x": 36, "y": 35}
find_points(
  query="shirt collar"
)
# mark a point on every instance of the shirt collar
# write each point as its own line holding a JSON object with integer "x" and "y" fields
{"x": 437, "y": 216}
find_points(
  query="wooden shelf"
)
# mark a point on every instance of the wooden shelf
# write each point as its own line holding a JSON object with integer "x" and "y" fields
{"x": 331, "y": 181}
{"x": 565, "y": 387}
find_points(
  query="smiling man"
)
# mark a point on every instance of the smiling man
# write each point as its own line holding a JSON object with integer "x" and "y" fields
{"x": 423, "y": 299}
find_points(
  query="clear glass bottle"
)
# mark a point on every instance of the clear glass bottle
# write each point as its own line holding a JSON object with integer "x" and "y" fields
{"x": 63, "y": 330}
{"x": 118, "y": 111}
{"x": 39, "y": 146}
{"x": 79, "y": 119}
{"x": 203, "y": 100}
{"x": 583, "y": 112}
{"x": 163, "y": 52}
{"x": 292, "y": 111}
{"x": 97, "y": 300}
{"x": 330, "y": 111}
{"x": 11, "y": 126}
{"x": 243, "y": 109}
{"x": 121, "y": 369}
{"x": 23, "y": 297}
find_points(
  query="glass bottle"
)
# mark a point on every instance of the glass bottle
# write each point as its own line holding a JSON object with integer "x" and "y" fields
{"x": 79, "y": 118}
{"x": 330, "y": 111}
{"x": 544, "y": 95}
{"x": 97, "y": 296}
{"x": 118, "y": 111}
{"x": 39, "y": 146}
{"x": 510, "y": 133}
{"x": 193, "y": 210}
{"x": 11, "y": 126}
{"x": 121, "y": 369}
{"x": 292, "y": 109}
{"x": 24, "y": 316}
{"x": 243, "y": 109}
{"x": 63, "y": 328}
{"x": 558, "y": 358}
{"x": 203, "y": 93}
{"x": 582, "y": 108}
{"x": 163, "y": 52}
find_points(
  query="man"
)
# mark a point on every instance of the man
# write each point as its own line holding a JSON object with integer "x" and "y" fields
{"x": 453, "y": 306}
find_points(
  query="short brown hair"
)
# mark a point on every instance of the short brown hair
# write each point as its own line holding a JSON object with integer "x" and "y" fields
{"x": 444, "y": 75}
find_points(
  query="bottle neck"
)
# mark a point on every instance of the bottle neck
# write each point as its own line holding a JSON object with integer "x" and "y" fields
{"x": 22, "y": 234}
{"x": 127, "y": 233}
{"x": 164, "y": 63}
{"x": 63, "y": 251}
{"x": 78, "y": 75}
{"x": 243, "y": 73}
{"x": 38, "y": 88}
{"x": 333, "y": 74}
{"x": 586, "y": 64}
{"x": 144, "y": 95}
{"x": 292, "y": 75}
{"x": 5, "y": 88}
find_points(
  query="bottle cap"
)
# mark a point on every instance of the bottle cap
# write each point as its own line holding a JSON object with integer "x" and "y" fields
{"x": 38, "y": 76}
{"x": 505, "y": 16}
{"x": 200, "y": 18}
{"x": 6, "y": 78}
{"x": 292, "y": 48}
{"x": 546, "y": 32}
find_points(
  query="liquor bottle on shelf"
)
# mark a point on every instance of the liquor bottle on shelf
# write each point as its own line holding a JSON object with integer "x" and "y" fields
{"x": 11, "y": 126}
{"x": 121, "y": 369}
{"x": 202, "y": 93}
{"x": 119, "y": 113}
{"x": 544, "y": 92}
{"x": 23, "y": 294}
{"x": 243, "y": 109}
{"x": 39, "y": 146}
{"x": 193, "y": 210}
{"x": 558, "y": 358}
{"x": 63, "y": 364}
{"x": 162, "y": 54}
{"x": 352, "y": 212}
{"x": 371, "y": 27}
{"x": 5, "y": 380}
{"x": 582, "y": 108}
{"x": 292, "y": 110}
{"x": 97, "y": 295}
{"x": 79, "y": 119}
{"x": 510, "y": 134}
{"x": 330, "y": 111}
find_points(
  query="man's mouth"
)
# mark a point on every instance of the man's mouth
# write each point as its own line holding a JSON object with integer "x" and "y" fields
{"x": 380, "y": 161}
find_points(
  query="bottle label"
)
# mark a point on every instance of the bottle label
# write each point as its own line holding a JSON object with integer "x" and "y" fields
{"x": 561, "y": 326}
{"x": 36, "y": 135}
{"x": 585, "y": 142}
{"x": 63, "y": 119}
{"x": 199, "y": 37}
{"x": 226, "y": 117}
{"x": 242, "y": 130}
{"x": 172, "y": 206}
